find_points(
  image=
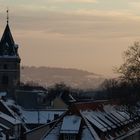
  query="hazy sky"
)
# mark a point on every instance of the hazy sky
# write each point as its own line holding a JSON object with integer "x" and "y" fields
{"x": 84, "y": 34}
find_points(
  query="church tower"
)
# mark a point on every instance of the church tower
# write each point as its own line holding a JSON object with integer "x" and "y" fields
{"x": 9, "y": 61}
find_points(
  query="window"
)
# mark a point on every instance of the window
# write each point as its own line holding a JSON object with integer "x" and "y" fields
{"x": 5, "y": 80}
{"x": 48, "y": 121}
{"x": 72, "y": 137}
{"x": 69, "y": 137}
{"x": 56, "y": 116}
{"x": 66, "y": 137}
{"x": 5, "y": 66}
{"x": 16, "y": 66}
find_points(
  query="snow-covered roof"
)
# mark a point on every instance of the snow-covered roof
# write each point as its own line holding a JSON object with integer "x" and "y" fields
{"x": 6, "y": 109}
{"x": 124, "y": 114}
{"x": 3, "y": 94}
{"x": 9, "y": 119}
{"x": 2, "y": 126}
{"x": 129, "y": 134}
{"x": 10, "y": 102}
{"x": 41, "y": 117}
{"x": 2, "y": 136}
{"x": 115, "y": 119}
{"x": 86, "y": 135}
{"x": 71, "y": 124}
{"x": 111, "y": 119}
{"x": 101, "y": 116}
{"x": 120, "y": 117}
{"x": 54, "y": 133}
{"x": 94, "y": 122}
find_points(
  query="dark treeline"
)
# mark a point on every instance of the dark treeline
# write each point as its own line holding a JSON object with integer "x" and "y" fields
{"x": 126, "y": 87}
{"x": 60, "y": 90}
{"x": 120, "y": 90}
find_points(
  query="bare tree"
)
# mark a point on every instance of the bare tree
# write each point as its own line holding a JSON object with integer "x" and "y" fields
{"x": 130, "y": 69}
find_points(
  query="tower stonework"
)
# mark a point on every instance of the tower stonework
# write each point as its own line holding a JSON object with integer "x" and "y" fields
{"x": 9, "y": 62}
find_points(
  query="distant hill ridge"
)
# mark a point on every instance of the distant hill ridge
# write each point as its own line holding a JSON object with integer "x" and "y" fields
{"x": 47, "y": 76}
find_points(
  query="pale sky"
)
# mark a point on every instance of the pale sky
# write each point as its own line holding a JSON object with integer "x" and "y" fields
{"x": 84, "y": 34}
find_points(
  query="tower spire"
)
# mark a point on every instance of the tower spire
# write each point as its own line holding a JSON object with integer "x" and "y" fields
{"x": 7, "y": 11}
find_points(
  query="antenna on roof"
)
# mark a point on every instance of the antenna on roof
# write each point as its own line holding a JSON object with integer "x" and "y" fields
{"x": 7, "y": 11}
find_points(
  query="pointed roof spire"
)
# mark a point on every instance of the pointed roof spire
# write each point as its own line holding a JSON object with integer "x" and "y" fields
{"x": 7, "y": 35}
{"x": 7, "y": 42}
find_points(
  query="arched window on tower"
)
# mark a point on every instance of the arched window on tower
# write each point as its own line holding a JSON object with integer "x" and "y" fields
{"x": 5, "y": 80}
